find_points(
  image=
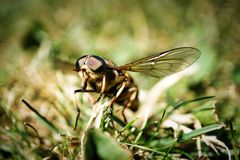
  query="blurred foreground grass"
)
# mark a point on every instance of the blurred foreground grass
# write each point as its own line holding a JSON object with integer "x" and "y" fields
{"x": 39, "y": 39}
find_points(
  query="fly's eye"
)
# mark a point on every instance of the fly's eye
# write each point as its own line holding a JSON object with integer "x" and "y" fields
{"x": 80, "y": 62}
{"x": 96, "y": 64}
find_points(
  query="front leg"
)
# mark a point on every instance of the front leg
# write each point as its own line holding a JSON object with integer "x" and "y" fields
{"x": 84, "y": 90}
{"x": 77, "y": 106}
{"x": 81, "y": 90}
{"x": 103, "y": 88}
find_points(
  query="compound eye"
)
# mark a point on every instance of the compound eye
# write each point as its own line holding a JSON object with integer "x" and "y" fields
{"x": 80, "y": 62}
{"x": 95, "y": 63}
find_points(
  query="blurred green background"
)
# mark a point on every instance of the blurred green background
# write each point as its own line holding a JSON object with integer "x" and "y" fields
{"x": 50, "y": 35}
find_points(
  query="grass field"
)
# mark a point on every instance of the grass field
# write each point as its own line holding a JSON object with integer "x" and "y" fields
{"x": 193, "y": 114}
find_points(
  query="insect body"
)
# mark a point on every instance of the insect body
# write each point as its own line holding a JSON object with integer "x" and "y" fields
{"x": 103, "y": 77}
{"x": 106, "y": 78}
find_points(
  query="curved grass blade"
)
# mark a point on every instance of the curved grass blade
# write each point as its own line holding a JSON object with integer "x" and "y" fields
{"x": 146, "y": 148}
{"x": 178, "y": 105}
{"x": 198, "y": 132}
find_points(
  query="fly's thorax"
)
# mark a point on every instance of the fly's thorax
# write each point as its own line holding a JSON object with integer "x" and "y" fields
{"x": 114, "y": 84}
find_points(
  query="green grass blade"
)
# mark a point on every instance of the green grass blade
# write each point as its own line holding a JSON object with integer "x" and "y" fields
{"x": 192, "y": 100}
{"x": 198, "y": 132}
{"x": 146, "y": 148}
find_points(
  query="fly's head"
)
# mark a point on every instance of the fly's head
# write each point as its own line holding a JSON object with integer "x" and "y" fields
{"x": 91, "y": 66}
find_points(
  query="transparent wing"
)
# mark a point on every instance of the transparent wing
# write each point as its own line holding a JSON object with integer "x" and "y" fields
{"x": 164, "y": 63}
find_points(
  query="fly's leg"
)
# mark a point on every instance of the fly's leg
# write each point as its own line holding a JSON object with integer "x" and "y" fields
{"x": 77, "y": 106}
{"x": 132, "y": 97}
{"x": 116, "y": 96}
{"x": 82, "y": 90}
{"x": 77, "y": 117}
{"x": 102, "y": 89}
{"x": 133, "y": 92}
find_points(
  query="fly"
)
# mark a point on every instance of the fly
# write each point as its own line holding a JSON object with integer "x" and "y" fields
{"x": 103, "y": 76}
